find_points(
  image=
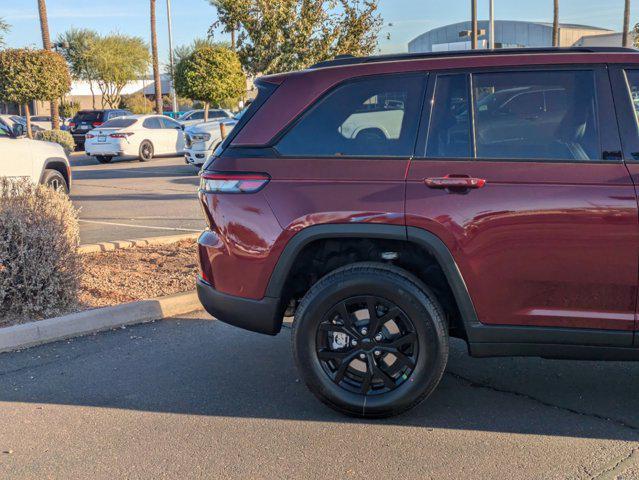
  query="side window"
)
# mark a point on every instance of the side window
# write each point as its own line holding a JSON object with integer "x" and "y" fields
{"x": 153, "y": 123}
{"x": 449, "y": 130}
{"x": 536, "y": 115}
{"x": 197, "y": 116}
{"x": 372, "y": 117}
{"x": 168, "y": 123}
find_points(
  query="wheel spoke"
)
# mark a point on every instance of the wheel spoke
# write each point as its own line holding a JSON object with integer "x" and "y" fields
{"x": 368, "y": 378}
{"x": 341, "y": 370}
{"x": 391, "y": 314}
{"x": 379, "y": 373}
{"x": 332, "y": 327}
{"x": 341, "y": 355}
{"x": 403, "y": 360}
{"x": 403, "y": 340}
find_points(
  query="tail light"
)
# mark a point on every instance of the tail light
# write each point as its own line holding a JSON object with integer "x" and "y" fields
{"x": 71, "y": 124}
{"x": 89, "y": 135}
{"x": 121, "y": 135}
{"x": 97, "y": 124}
{"x": 217, "y": 182}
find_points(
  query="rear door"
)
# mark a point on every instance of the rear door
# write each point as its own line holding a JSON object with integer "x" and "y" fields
{"x": 174, "y": 136}
{"x": 520, "y": 174}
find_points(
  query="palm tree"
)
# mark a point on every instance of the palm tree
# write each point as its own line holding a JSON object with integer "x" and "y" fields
{"x": 555, "y": 24}
{"x": 626, "y": 23}
{"x": 46, "y": 44}
{"x": 156, "y": 66}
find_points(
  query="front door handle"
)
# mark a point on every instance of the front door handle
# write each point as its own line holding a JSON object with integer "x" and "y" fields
{"x": 450, "y": 181}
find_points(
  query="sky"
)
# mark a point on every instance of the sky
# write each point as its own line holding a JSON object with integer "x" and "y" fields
{"x": 403, "y": 19}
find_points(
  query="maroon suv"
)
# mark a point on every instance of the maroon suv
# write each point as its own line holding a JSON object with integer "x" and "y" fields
{"x": 391, "y": 202}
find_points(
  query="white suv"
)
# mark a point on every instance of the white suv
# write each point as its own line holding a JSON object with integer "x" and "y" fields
{"x": 42, "y": 162}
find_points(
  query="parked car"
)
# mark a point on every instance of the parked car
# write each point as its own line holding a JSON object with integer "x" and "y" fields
{"x": 201, "y": 139}
{"x": 17, "y": 124}
{"x": 86, "y": 120}
{"x": 193, "y": 117}
{"x": 139, "y": 136}
{"x": 42, "y": 162}
{"x": 388, "y": 207}
{"x": 42, "y": 121}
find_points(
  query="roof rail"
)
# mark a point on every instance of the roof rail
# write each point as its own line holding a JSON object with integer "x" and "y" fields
{"x": 351, "y": 60}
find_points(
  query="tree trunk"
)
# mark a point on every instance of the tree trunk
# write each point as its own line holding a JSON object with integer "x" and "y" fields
{"x": 27, "y": 113}
{"x": 206, "y": 111}
{"x": 555, "y": 24}
{"x": 626, "y": 24}
{"x": 473, "y": 29}
{"x": 92, "y": 94}
{"x": 46, "y": 44}
{"x": 233, "y": 38}
{"x": 156, "y": 67}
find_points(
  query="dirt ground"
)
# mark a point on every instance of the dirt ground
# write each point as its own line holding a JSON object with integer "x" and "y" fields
{"x": 139, "y": 273}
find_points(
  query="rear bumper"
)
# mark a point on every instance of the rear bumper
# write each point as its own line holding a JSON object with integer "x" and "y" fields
{"x": 262, "y": 316}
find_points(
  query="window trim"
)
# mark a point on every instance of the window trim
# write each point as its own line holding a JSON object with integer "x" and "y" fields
{"x": 628, "y": 126}
{"x": 425, "y": 77}
{"x": 600, "y": 73}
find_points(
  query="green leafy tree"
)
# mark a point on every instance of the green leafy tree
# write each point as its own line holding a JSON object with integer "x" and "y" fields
{"x": 211, "y": 74}
{"x": 27, "y": 75}
{"x": 118, "y": 59}
{"x": 77, "y": 45}
{"x": 4, "y": 29}
{"x": 137, "y": 103}
{"x": 280, "y": 35}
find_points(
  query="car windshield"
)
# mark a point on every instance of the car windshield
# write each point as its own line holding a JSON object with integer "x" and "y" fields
{"x": 119, "y": 123}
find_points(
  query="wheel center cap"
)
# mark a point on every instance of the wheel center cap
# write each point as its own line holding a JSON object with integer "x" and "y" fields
{"x": 366, "y": 341}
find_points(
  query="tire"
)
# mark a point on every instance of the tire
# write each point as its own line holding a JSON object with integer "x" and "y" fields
{"x": 146, "y": 151}
{"x": 54, "y": 179}
{"x": 392, "y": 388}
{"x": 103, "y": 158}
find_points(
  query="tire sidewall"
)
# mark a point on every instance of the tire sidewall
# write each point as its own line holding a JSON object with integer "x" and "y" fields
{"x": 50, "y": 174}
{"x": 416, "y": 304}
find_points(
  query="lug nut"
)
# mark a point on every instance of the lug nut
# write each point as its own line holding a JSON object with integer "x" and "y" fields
{"x": 377, "y": 353}
{"x": 353, "y": 343}
{"x": 378, "y": 337}
{"x": 362, "y": 356}
{"x": 364, "y": 331}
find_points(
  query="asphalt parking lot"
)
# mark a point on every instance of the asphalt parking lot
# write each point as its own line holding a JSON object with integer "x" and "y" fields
{"x": 194, "y": 398}
{"x": 128, "y": 199}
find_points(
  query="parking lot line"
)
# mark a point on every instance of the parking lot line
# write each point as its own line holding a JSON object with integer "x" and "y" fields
{"x": 140, "y": 226}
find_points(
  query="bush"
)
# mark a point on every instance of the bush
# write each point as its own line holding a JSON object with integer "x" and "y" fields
{"x": 61, "y": 137}
{"x": 39, "y": 264}
{"x": 68, "y": 108}
{"x": 137, "y": 103}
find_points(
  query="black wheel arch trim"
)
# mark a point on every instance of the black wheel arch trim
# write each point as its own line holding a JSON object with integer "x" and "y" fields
{"x": 60, "y": 165}
{"x": 423, "y": 238}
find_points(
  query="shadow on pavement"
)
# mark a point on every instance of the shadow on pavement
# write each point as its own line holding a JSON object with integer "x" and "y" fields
{"x": 200, "y": 367}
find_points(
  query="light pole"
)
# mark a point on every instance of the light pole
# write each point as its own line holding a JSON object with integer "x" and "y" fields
{"x": 473, "y": 28}
{"x": 173, "y": 96}
{"x": 491, "y": 25}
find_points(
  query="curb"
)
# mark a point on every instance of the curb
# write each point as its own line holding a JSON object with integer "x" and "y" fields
{"x": 140, "y": 242}
{"x": 91, "y": 321}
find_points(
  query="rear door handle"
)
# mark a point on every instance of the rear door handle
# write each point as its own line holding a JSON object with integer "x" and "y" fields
{"x": 450, "y": 181}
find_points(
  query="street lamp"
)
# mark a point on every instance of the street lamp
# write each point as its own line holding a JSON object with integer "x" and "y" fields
{"x": 173, "y": 96}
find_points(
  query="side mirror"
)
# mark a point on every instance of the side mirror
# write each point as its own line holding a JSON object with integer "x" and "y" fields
{"x": 18, "y": 130}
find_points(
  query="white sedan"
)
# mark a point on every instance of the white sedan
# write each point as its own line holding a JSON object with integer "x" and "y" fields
{"x": 139, "y": 136}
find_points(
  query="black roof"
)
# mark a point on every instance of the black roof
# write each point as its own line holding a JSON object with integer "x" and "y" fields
{"x": 351, "y": 60}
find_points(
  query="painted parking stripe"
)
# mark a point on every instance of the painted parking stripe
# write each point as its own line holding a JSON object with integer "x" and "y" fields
{"x": 140, "y": 226}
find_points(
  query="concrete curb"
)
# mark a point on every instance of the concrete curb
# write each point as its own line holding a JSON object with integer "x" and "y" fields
{"x": 140, "y": 242}
{"x": 97, "y": 320}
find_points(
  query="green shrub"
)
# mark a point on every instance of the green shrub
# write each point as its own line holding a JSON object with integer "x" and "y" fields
{"x": 68, "y": 108}
{"x": 137, "y": 104}
{"x": 39, "y": 264}
{"x": 62, "y": 137}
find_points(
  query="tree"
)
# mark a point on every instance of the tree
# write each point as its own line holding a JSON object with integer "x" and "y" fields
{"x": 4, "y": 28}
{"x": 156, "y": 66}
{"x": 76, "y": 49}
{"x": 626, "y": 23}
{"x": 211, "y": 74}
{"x": 46, "y": 44}
{"x": 118, "y": 59}
{"x": 68, "y": 108}
{"x": 279, "y": 35}
{"x": 555, "y": 24}
{"x": 28, "y": 75}
{"x": 137, "y": 103}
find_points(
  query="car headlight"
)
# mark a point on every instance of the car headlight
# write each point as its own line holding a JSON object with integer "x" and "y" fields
{"x": 200, "y": 137}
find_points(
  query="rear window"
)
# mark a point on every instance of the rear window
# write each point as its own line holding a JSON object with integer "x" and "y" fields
{"x": 375, "y": 117}
{"x": 119, "y": 123}
{"x": 89, "y": 117}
